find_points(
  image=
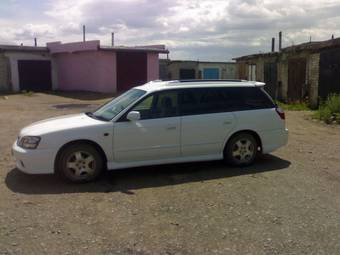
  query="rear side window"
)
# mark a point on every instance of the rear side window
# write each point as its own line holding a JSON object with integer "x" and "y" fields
{"x": 249, "y": 98}
{"x": 215, "y": 100}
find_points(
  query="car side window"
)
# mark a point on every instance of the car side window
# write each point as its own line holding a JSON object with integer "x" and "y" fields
{"x": 145, "y": 107}
{"x": 201, "y": 101}
{"x": 158, "y": 105}
{"x": 215, "y": 100}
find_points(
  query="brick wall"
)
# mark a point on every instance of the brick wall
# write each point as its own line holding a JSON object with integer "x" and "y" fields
{"x": 313, "y": 67}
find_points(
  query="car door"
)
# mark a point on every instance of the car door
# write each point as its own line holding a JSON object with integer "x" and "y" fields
{"x": 205, "y": 121}
{"x": 155, "y": 136}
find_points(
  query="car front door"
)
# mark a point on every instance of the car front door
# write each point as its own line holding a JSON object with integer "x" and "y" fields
{"x": 155, "y": 136}
{"x": 205, "y": 121}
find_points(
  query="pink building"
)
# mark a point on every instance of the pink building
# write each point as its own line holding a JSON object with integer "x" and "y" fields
{"x": 87, "y": 66}
{"x": 82, "y": 66}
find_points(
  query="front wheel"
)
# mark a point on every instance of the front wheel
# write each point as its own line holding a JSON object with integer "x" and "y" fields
{"x": 241, "y": 150}
{"x": 80, "y": 163}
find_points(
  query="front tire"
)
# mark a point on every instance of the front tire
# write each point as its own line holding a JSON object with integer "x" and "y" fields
{"x": 241, "y": 149}
{"x": 80, "y": 163}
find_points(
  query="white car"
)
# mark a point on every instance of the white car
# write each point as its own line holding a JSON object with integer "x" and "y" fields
{"x": 157, "y": 123}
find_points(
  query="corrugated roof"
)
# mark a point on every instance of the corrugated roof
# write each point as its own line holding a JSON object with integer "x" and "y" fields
{"x": 258, "y": 55}
{"x": 313, "y": 46}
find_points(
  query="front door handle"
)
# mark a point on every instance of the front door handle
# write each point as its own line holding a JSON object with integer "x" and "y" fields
{"x": 171, "y": 128}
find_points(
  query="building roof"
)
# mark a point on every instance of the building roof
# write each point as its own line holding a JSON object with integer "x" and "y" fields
{"x": 179, "y": 84}
{"x": 22, "y": 48}
{"x": 151, "y": 48}
{"x": 203, "y": 62}
{"x": 58, "y": 47}
{"x": 313, "y": 46}
{"x": 94, "y": 45}
{"x": 308, "y": 46}
{"x": 258, "y": 55}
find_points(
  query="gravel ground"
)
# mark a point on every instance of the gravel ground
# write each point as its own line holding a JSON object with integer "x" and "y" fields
{"x": 287, "y": 203}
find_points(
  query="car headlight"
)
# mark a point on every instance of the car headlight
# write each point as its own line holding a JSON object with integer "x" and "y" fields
{"x": 29, "y": 142}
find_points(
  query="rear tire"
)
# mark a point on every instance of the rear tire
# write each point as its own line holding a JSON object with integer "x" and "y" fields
{"x": 241, "y": 149}
{"x": 80, "y": 163}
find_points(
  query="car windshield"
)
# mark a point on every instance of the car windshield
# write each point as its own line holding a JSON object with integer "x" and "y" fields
{"x": 109, "y": 110}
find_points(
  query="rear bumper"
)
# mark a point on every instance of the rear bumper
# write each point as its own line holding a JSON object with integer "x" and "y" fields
{"x": 274, "y": 139}
{"x": 34, "y": 161}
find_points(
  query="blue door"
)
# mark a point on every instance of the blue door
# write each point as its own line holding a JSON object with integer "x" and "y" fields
{"x": 211, "y": 74}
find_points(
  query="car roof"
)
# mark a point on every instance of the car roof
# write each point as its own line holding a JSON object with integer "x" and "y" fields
{"x": 178, "y": 84}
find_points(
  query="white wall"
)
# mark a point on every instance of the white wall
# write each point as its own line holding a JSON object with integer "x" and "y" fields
{"x": 13, "y": 60}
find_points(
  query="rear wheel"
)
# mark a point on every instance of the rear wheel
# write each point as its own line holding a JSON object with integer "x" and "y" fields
{"x": 80, "y": 163}
{"x": 241, "y": 149}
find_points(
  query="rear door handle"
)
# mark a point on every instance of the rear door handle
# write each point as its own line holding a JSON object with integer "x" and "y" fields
{"x": 227, "y": 122}
{"x": 171, "y": 128}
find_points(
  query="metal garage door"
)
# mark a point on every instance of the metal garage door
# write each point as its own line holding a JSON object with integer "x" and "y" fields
{"x": 329, "y": 81}
{"x": 296, "y": 79}
{"x": 270, "y": 78}
{"x": 35, "y": 75}
{"x": 131, "y": 69}
{"x": 187, "y": 74}
{"x": 211, "y": 73}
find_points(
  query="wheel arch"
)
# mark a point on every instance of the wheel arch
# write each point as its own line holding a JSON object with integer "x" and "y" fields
{"x": 80, "y": 141}
{"x": 252, "y": 132}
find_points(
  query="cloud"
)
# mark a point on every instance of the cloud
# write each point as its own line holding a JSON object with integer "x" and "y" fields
{"x": 192, "y": 29}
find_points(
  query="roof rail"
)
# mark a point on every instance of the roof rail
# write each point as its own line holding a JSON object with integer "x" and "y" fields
{"x": 215, "y": 80}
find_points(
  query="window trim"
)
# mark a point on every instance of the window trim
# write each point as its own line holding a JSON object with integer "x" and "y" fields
{"x": 180, "y": 111}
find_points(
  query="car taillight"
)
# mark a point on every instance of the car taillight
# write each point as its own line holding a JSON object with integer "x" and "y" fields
{"x": 281, "y": 113}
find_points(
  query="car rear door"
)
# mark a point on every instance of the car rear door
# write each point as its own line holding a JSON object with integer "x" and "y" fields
{"x": 205, "y": 121}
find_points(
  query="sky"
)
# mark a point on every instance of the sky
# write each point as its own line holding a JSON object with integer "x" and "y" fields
{"x": 211, "y": 30}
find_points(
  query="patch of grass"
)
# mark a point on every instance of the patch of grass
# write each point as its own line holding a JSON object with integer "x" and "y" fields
{"x": 300, "y": 106}
{"x": 27, "y": 93}
{"x": 329, "y": 111}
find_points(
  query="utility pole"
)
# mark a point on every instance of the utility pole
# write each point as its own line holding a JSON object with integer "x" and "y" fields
{"x": 83, "y": 33}
{"x": 112, "y": 39}
{"x": 35, "y": 42}
{"x": 280, "y": 41}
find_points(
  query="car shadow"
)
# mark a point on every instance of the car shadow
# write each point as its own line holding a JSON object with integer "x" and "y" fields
{"x": 129, "y": 180}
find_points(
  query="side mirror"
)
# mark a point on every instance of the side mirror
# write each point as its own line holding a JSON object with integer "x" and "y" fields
{"x": 133, "y": 116}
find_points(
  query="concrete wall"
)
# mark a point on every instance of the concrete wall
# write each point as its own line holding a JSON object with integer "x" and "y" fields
{"x": 312, "y": 75}
{"x": 313, "y": 72}
{"x": 4, "y": 73}
{"x": 282, "y": 77}
{"x": 226, "y": 70}
{"x": 163, "y": 69}
{"x": 87, "y": 71}
{"x": 311, "y": 87}
{"x": 153, "y": 67}
{"x": 14, "y": 57}
{"x": 175, "y": 66}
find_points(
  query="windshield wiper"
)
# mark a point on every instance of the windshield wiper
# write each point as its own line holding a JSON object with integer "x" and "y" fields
{"x": 91, "y": 115}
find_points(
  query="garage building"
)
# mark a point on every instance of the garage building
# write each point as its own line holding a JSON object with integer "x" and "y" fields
{"x": 79, "y": 66}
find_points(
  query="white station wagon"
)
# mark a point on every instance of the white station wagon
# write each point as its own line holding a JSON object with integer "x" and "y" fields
{"x": 157, "y": 123}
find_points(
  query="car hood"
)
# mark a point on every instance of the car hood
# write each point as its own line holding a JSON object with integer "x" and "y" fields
{"x": 56, "y": 124}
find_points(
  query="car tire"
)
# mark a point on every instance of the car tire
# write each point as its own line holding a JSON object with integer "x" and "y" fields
{"x": 80, "y": 163}
{"x": 241, "y": 149}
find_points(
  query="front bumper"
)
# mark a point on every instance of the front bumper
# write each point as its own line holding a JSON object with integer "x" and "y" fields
{"x": 35, "y": 161}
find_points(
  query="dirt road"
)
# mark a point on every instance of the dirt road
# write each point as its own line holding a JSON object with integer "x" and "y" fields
{"x": 287, "y": 203}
